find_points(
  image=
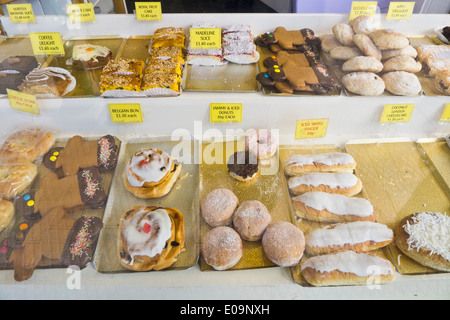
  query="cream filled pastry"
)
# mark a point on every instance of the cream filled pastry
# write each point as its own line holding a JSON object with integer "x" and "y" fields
{"x": 150, "y": 238}
{"x": 151, "y": 173}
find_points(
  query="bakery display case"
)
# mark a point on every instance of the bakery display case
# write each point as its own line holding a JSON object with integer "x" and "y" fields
{"x": 134, "y": 177}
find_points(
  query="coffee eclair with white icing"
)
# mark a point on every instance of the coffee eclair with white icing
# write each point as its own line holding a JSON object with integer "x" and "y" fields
{"x": 359, "y": 236}
{"x": 322, "y": 162}
{"x": 332, "y": 207}
{"x": 347, "y": 268}
{"x": 150, "y": 238}
{"x": 344, "y": 183}
{"x": 151, "y": 173}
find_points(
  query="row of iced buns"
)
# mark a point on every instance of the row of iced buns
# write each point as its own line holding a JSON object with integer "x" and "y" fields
{"x": 339, "y": 253}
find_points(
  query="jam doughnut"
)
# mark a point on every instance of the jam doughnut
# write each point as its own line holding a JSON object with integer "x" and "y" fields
{"x": 150, "y": 238}
{"x": 261, "y": 142}
{"x": 251, "y": 220}
{"x": 218, "y": 207}
{"x": 222, "y": 248}
{"x": 283, "y": 243}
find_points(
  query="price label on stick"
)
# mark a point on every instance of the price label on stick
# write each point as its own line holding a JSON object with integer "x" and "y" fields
{"x": 366, "y": 8}
{"x": 225, "y": 112}
{"x": 125, "y": 112}
{"x": 21, "y": 13}
{"x": 148, "y": 11}
{"x": 311, "y": 128}
{"x": 395, "y": 113}
{"x": 400, "y": 10}
{"x": 81, "y": 12}
{"x": 46, "y": 43}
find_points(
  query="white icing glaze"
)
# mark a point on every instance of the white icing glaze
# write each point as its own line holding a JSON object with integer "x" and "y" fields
{"x": 336, "y": 203}
{"x": 147, "y": 165}
{"x": 42, "y": 75}
{"x": 328, "y": 159}
{"x": 150, "y": 243}
{"x": 349, "y": 233}
{"x": 360, "y": 264}
{"x": 429, "y": 230}
{"x": 85, "y": 52}
{"x": 333, "y": 180}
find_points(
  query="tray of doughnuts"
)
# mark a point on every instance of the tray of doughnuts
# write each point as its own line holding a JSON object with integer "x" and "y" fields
{"x": 152, "y": 221}
{"x": 62, "y": 198}
{"x": 343, "y": 236}
{"x": 244, "y": 204}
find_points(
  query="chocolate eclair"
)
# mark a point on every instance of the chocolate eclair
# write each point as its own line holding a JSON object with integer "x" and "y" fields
{"x": 243, "y": 165}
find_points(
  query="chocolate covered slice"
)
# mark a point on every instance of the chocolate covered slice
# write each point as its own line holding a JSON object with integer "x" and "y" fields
{"x": 243, "y": 163}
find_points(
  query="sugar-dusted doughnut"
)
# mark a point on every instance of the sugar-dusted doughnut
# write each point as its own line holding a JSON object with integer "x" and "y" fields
{"x": 345, "y": 183}
{"x": 28, "y": 144}
{"x": 218, "y": 207}
{"x": 15, "y": 177}
{"x": 283, "y": 243}
{"x": 322, "y": 162}
{"x": 222, "y": 248}
{"x": 243, "y": 165}
{"x": 6, "y": 213}
{"x": 332, "y": 208}
{"x": 251, "y": 220}
{"x": 150, "y": 238}
{"x": 359, "y": 236}
{"x": 261, "y": 142}
{"x": 347, "y": 268}
{"x": 425, "y": 238}
{"x": 151, "y": 173}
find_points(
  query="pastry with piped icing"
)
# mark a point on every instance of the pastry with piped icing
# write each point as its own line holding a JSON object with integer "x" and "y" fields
{"x": 150, "y": 238}
{"x": 88, "y": 56}
{"x": 48, "y": 81}
{"x": 151, "y": 173}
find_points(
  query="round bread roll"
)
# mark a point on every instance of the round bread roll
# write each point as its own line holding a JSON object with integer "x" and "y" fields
{"x": 222, "y": 248}
{"x": 343, "y": 33}
{"x": 345, "y": 53}
{"x": 402, "y": 83}
{"x": 251, "y": 220}
{"x": 367, "y": 47}
{"x": 365, "y": 24}
{"x": 364, "y": 83}
{"x": 283, "y": 243}
{"x": 218, "y": 207}
{"x": 362, "y": 63}
{"x": 402, "y": 63}
{"x": 6, "y": 213}
{"x": 389, "y": 39}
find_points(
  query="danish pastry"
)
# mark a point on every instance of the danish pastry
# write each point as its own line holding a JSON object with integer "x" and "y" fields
{"x": 151, "y": 173}
{"x": 150, "y": 238}
{"x": 332, "y": 208}
{"x": 425, "y": 238}
{"x": 347, "y": 268}
{"x": 358, "y": 236}
{"x": 222, "y": 248}
{"x": 322, "y": 162}
{"x": 28, "y": 144}
{"x": 344, "y": 183}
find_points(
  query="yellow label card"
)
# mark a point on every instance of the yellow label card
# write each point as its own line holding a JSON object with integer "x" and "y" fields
{"x": 148, "y": 11}
{"x": 400, "y": 10}
{"x": 446, "y": 114}
{"x": 311, "y": 128}
{"x": 48, "y": 43}
{"x": 225, "y": 112}
{"x": 206, "y": 38}
{"x": 81, "y": 12}
{"x": 23, "y": 102}
{"x": 395, "y": 113}
{"x": 21, "y": 13}
{"x": 125, "y": 112}
{"x": 359, "y": 8}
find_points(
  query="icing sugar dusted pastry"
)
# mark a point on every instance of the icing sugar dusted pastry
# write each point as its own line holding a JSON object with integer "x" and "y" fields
{"x": 345, "y": 183}
{"x": 222, "y": 248}
{"x": 345, "y": 53}
{"x": 343, "y": 33}
{"x": 329, "y": 42}
{"x": 364, "y": 83}
{"x": 402, "y": 83}
{"x": 367, "y": 47}
{"x": 425, "y": 238}
{"x": 347, "y": 268}
{"x": 359, "y": 236}
{"x": 28, "y": 144}
{"x": 261, "y": 142}
{"x": 237, "y": 44}
{"x": 363, "y": 24}
{"x": 251, "y": 220}
{"x": 15, "y": 177}
{"x": 88, "y": 56}
{"x": 324, "y": 162}
{"x": 151, "y": 173}
{"x": 206, "y": 57}
{"x": 218, "y": 207}
{"x": 150, "y": 238}
{"x": 409, "y": 51}
{"x": 78, "y": 153}
{"x": 362, "y": 63}
{"x": 402, "y": 63}
{"x": 389, "y": 39}
{"x": 243, "y": 165}
{"x": 283, "y": 243}
{"x": 332, "y": 208}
